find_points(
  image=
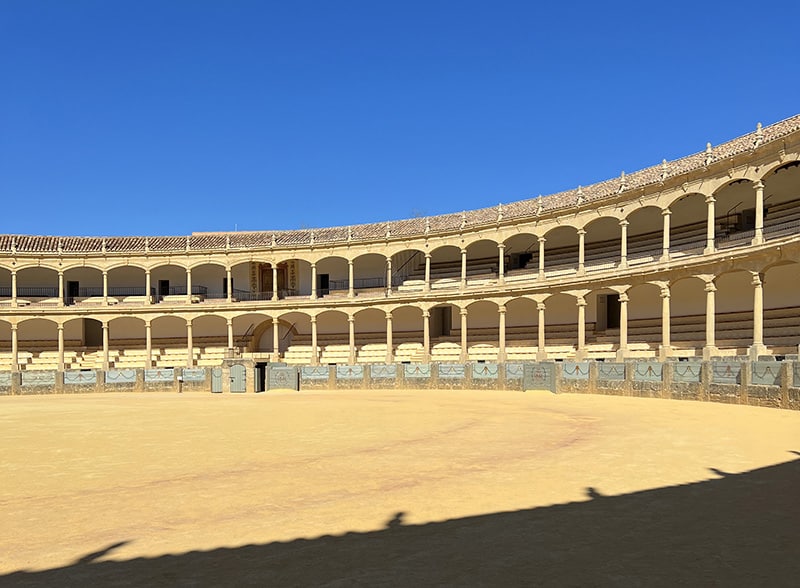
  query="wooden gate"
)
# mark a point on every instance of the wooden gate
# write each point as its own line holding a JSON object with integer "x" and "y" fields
{"x": 238, "y": 378}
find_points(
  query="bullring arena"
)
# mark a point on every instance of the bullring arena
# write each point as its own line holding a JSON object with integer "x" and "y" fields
{"x": 393, "y": 443}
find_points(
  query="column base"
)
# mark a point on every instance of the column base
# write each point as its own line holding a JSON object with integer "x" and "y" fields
{"x": 710, "y": 351}
{"x": 757, "y": 349}
{"x": 757, "y": 240}
{"x": 664, "y": 352}
{"x": 708, "y": 250}
{"x": 275, "y": 357}
{"x": 581, "y": 355}
{"x": 664, "y": 258}
{"x": 622, "y": 354}
{"x": 541, "y": 355}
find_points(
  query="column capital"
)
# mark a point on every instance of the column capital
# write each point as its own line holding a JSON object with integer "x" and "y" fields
{"x": 581, "y": 232}
{"x": 105, "y": 273}
{"x": 388, "y": 316}
{"x": 540, "y": 306}
{"x": 624, "y": 222}
{"x": 463, "y": 251}
{"x": 666, "y": 212}
{"x": 275, "y": 320}
{"x": 464, "y": 312}
{"x": 624, "y": 297}
{"x": 542, "y": 240}
{"x": 351, "y": 319}
{"x": 189, "y": 323}
{"x": 501, "y": 245}
{"x": 501, "y": 308}
{"x": 426, "y": 314}
{"x": 758, "y": 279}
{"x": 14, "y": 326}
{"x": 580, "y": 301}
{"x": 59, "y": 327}
{"x": 711, "y": 286}
{"x": 313, "y": 320}
{"x": 60, "y": 273}
{"x": 665, "y": 293}
{"x": 349, "y": 262}
{"x": 710, "y": 199}
{"x": 759, "y": 185}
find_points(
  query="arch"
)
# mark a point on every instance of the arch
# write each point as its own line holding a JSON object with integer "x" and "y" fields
{"x": 81, "y": 283}
{"x": 561, "y": 250}
{"x": 298, "y": 331}
{"x": 688, "y": 220}
{"x": 369, "y": 271}
{"x": 645, "y": 234}
{"x": 333, "y": 275}
{"x": 244, "y": 325}
{"x": 37, "y": 283}
{"x": 168, "y": 279}
{"x": 522, "y": 251}
{"x": 603, "y": 247}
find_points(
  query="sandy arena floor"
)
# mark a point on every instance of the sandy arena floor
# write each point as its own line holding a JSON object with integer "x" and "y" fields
{"x": 396, "y": 488}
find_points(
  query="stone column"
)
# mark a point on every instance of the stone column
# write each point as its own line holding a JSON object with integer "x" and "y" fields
{"x": 352, "y": 329}
{"x": 541, "y": 352}
{"x": 388, "y": 276}
{"x": 581, "y": 251}
{"x": 105, "y": 347}
{"x": 427, "y": 286}
{"x": 188, "y": 285}
{"x": 501, "y": 263}
{"x": 622, "y": 351}
{"x": 623, "y": 249}
{"x": 666, "y": 344}
{"x": 710, "y": 226}
{"x": 426, "y": 333}
{"x": 229, "y": 279}
{"x": 148, "y": 342}
{"x": 463, "y": 268}
{"x": 276, "y": 340}
{"x": 147, "y": 297}
{"x": 61, "y": 288}
{"x": 274, "y": 281}
{"x": 758, "y": 347}
{"x": 541, "y": 257}
{"x": 313, "y": 281}
{"x": 229, "y": 325}
{"x": 758, "y": 237}
{"x": 60, "y": 348}
{"x": 710, "y": 347}
{"x": 105, "y": 288}
{"x": 350, "y": 290}
{"x": 14, "y": 289}
{"x": 464, "y": 350}
{"x": 314, "y": 352}
{"x": 665, "y": 214}
{"x": 189, "y": 344}
{"x": 389, "y": 354}
{"x": 580, "y": 353}
{"x": 501, "y": 355}
{"x": 14, "y": 348}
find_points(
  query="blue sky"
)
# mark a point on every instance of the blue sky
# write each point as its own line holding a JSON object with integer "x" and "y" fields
{"x": 210, "y": 116}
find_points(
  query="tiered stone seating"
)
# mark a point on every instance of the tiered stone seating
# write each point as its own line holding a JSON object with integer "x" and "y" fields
{"x": 447, "y": 274}
{"x": 482, "y": 352}
{"x": 93, "y": 360}
{"x": 411, "y": 352}
{"x": 335, "y": 353}
{"x": 212, "y": 356}
{"x": 299, "y": 354}
{"x": 446, "y": 351}
{"x": 372, "y": 353}
{"x": 174, "y": 357}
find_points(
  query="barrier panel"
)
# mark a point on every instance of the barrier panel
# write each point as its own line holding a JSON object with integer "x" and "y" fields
{"x": 539, "y": 376}
{"x": 487, "y": 371}
{"x": 283, "y": 378}
{"x": 80, "y": 377}
{"x": 575, "y": 370}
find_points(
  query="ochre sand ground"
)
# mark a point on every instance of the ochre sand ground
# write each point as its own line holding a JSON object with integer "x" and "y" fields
{"x": 341, "y": 488}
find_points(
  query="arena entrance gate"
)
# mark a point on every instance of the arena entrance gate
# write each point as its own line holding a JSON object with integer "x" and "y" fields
{"x": 216, "y": 379}
{"x": 238, "y": 378}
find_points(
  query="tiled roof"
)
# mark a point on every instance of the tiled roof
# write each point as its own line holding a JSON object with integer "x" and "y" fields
{"x": 407, "y": 227}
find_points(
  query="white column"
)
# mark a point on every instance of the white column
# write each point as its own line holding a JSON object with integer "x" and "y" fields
{"x": 426, "y": 332}
{"x": 105, "y": 288}
{"x": 427, "y": 287}
{"x": 710, "y": 347}
{"x": 463, "y": 268}
{"x": 188, "y": 285}
{"x": 388, "y": 276}
{"x": 501, "y": 263}
{"x": 14, "y": 289}
{"x": 314, "y": 352}
{"x": 666, "y": 343}
{"x": 14, "y": 349}
{"x": 581, "y": 251}
{"x": 501, "y": 356}
{"x": 148, "y": 342}
{"x": 541, "y": 257}
{"x": 350, "y": 289}
{"x": 189, "y": 345}
{"x": 581, "y": 347}
{"x": 758, "y": 347}
{"x": 276, "y": 340}
{"x": 623, "y": 249}
{"x": 352, "y": 329}
{"x": 666, "y": 213}
{"x": 229, "y": 279}
{"x": 622, "y": 352}
{"x": 541, "y": 352}
{"x": 758, "y": 237}
{"x": 105, "y": 346}
{"x": 710, "y": 226}
{"x": 389, "y": 354}
{"x": 60, "y": 348}
{"x": 61, "y": 288}
{"x": 147, "y": 297}
{"x": 274, "y": 282}
{"x": 313, "y": 281}
{"x": 464, "y": 350}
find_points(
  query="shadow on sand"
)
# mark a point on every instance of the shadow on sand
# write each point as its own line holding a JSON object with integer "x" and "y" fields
{"x": 737, "y": 529}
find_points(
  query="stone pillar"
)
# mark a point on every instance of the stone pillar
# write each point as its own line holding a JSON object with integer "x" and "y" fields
{"x": 464, "y": 350}
{"x": 541, "y": 257}
{"x": 623, "y": 248}
{"x": 352, "y": 330}
{"x": 710, "y": 225}
{"x": 758, "y": 237}
{"x": 14, "y": 289}
{"x": 463, "y": 268}
{"x": 105, "y": 347}
{"x": 147, "y": 297}
{"x": 666, "y": 343}
{"x": 14, "y": 349}
{"x": 710, "y": 347}
{"x": 581, "y": 251}
{"x": 229, "y": 279}
{"x": 666, "y": 213}
{"x": 105, "y": 288}
{"x": 501, "y": 355}
{"x": 541, "y": 352}
{"x": 426, "y": 333}
{"x": 758, "y": 347}
{"x": 427, "y": 286}
{"x": 314, "y": 351}
{"x": 276, "y": 340}
{"x": 350, "y": 290}
{"x": 501, "y": 263}
{"x": 580, "y": 353}
{"x": 60, "y": 288}
{"x": 189, "y": 344}
{"x": 274, "y": 281}
{"x": 148, "y": 342}
{"x": 622, "y": 351}
{"x": 188, "y": 285}
{"x": 313, "y": 281}
{"x": 229, "y": 325}
{"x": 388, "y": 276}
{"x": 60, "y": 348}
{"x": 389, "y": 353}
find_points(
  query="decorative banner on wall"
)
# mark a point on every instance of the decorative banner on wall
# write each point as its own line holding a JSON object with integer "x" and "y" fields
{"x": 254, "y": 273}
{"x": 539, "y": 376}
{"x": 726, "y": 372}
{"x": 291, "y": 274}
{"x": 314, "y": 372}
{"x": 121, "y": 377}
{"x": 193, "y": 375}
{"x": 485, "y": 370}
{"x": 161, "y": 375}
{"x": 452, "y": 370}
{"x": 79, "y": 377}
{"x": 349, "y": 372}
{"x": 38, "y": 378}
{"x": 647, "y": 371}
{"x": 766, "y": 373}
{"x": 610, "y": 371}
{"x": 514, "y": 371}
{"x": 417, "y": 370}
{"x": 575, "y": 370}
{"x": 383, "y": 371}
{"x": 686, "y": 371}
